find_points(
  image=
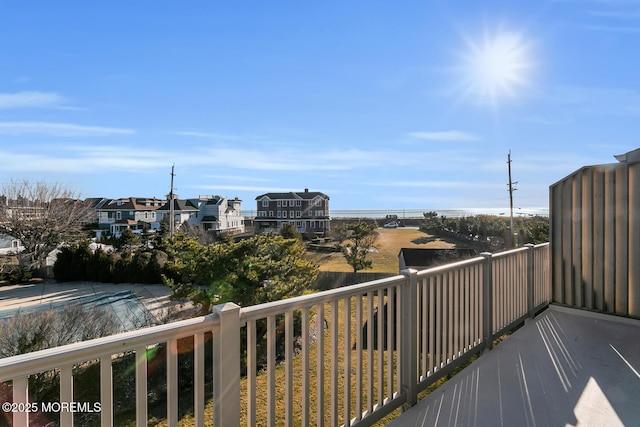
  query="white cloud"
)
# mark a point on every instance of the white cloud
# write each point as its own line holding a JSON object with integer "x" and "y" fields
{"x": 59, "y": 129}
{"x": 449, "y": 135}
{"x": 210, "y": 135}
{"x": 30, "y": 100}
{"x": 439, "y": 184}
{"x": 230, "y": 187}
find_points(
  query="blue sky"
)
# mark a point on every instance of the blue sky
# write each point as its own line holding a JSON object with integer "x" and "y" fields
{"x": 379, "y": 104}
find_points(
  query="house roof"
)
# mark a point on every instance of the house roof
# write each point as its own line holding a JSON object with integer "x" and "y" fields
{"x": 209, "y": 218}
{"x": 303, "y": 195}
{"x": 180, "y": 205}
{"x": 424, "y": 257}
{"x": 134, "y": 204}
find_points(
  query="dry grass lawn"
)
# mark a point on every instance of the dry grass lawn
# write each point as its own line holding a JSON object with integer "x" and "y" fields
{"x": 385, "y": 255}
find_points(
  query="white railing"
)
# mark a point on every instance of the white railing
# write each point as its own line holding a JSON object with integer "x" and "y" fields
{"x": 347, "y": 356}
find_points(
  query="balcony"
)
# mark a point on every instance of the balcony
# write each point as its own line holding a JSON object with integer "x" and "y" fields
{"x": 348, "y": 356}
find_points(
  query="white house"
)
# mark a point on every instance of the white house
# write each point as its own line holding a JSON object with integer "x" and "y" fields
{"x": 218, "y": 214}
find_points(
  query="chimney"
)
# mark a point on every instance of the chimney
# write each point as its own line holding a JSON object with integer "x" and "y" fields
{"x": 306, "y": 190}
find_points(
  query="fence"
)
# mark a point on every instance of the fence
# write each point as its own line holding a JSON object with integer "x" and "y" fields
{"x": 347, "y": 356}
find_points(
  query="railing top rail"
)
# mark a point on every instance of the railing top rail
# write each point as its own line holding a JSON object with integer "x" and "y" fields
{"x": 510, "y": 252}
{"x": 450, "y": 267}
{"x": 541, "y": 245}
{"x": 261, "y": 311}
{"x": 52, "y": 358}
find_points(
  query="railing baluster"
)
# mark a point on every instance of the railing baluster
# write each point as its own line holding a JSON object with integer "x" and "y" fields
{"x": 198, "y": 379}
{"x": 380, "y": 347}
{"x": 334, "y": 363}
{"x": 390, "y": 322}
{"x": 66, "y": 394}
{"x": 271, "y": 371}
{"x": 320, "y": 357}
{"x": 370, "y": 379}
{"x": 21, "y": 395}
{"x": 424, "y": 325}
{"x": 409, "y": 337}
{"x": 359, "y": 360}
{"x": 251, "y": 373}
{"x": 432, "y": 324}
{"x": 106, "y": 392}
{"x": 226, "y": 363}
{"x": 172, "y": 382}
{"x": 347, "y": 362}
{"x": 450, "y": 316}
{"x": 288, "y": 364}
{"x": 305, "y": 367}
{"x": 487, "y": 300}
{"x": 141, "y": 385}
{"x": 399, "y": 356}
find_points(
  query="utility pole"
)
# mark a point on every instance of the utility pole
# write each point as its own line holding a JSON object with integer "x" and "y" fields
{"x": 172, "y": 223}
{"x": 511, "y": 190}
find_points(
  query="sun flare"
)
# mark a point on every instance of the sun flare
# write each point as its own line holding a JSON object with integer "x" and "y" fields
{"x": 495, "y": 67}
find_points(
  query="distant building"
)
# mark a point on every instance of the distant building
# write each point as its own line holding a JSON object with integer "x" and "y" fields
{"x": 9, "y": 245}
{"x": 134, "y": 213}
{"x": 218, "y": 214}
{"x": 308, "y": 211}
{"x": 423, "y": 258}
{"x": 212, "y": 213}
{"x": 183, "y": 211}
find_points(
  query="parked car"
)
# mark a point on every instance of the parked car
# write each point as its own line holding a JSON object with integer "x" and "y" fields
{"x": 392, "y": 224}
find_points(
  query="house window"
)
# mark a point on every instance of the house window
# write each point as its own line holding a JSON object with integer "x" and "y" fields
{"x": 291, "y": 202}
{"x": 298, "y": 224}
{"x": 298, "y": 214}
{"x": 262, "y": 213}
{"x": 284, "y": 214}
{"x": 279, "y": 203}
{"x": 270, "y": 213}
{"x": 265, "y": 203}
{"x": 279, "y": 214}
{"x": 298, "y": 203}
{"x": 146, "y": 215}
{"x": 310, "y": 213}
{"x": 319, "y": 213}
{"x": 118, "y": 215}
{"x": 318, "y": 202}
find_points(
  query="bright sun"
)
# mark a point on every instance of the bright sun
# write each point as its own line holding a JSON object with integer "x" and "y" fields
{"x": 495, "y": 67}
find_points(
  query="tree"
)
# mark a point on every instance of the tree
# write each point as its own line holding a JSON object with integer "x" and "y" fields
{"x": 41, "y": 216}
{"x": 289, "y": 231}
{"x": 356, "y": 241}
{"x": 261, "y": 269}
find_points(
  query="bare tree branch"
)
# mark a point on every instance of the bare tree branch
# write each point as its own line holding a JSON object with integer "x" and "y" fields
{"x": 41, "y": 216}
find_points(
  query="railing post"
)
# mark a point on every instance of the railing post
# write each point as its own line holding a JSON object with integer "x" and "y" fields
{"x": 226, "y": 366}
{"x": 487, "y": 300}
{"x": 530, "y": 279}
{"x": 409, "y": 359}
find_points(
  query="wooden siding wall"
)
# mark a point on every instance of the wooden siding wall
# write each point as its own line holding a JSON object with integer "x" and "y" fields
{"x": 595, "y": 239}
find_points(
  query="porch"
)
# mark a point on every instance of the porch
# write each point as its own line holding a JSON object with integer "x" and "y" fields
{"x": 567, "y": 367}
{"x": 348, "y": 356}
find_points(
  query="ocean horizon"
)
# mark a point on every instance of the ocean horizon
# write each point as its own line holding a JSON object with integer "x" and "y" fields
{"x": 418, "y": 213}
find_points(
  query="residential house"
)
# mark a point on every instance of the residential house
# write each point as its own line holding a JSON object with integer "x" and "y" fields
{"x": 134, "y": 213}
{"x": 307, "y": 210}
{"x": 9, "y": 245}
{"x": 183, "y": 211}
{"x": 219, "y": 214}
{"x": 422, "y": 258}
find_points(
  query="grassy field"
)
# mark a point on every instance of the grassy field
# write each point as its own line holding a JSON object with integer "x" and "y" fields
{"x": 385, "y": 255}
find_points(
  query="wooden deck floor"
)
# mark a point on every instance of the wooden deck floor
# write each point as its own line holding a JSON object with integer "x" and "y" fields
{"x": 567, "y": 367}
